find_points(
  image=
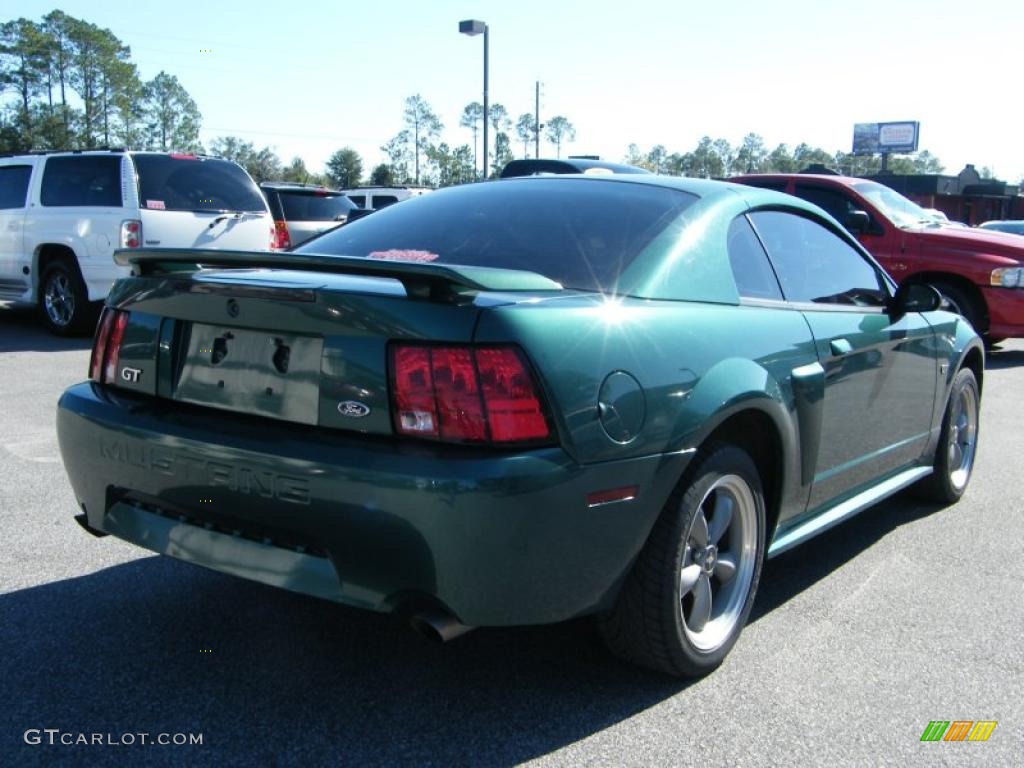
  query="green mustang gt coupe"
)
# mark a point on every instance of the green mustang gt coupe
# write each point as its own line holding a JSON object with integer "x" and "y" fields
{"x": 523, "y": 401}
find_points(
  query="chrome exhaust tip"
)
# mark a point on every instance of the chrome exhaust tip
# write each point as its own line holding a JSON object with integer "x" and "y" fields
{"x": 438, "y": 626}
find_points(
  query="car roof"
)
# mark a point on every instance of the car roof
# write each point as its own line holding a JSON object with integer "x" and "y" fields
{"x": 297, "y": 186}
{"x": 848, "y": 181}
{"x": 535, "y": 166}
{"x": 706, "y": 189}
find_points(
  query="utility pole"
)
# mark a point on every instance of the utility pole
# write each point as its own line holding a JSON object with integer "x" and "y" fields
{"x": 536, "y": 120}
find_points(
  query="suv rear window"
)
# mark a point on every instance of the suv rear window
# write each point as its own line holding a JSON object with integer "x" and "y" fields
{"x": 82, "y": 180}
{"x": 311, "y": 205}
{"x": 14, "y": 185}
{"x": 579, "y": 232}
{"x": 185, "y": 183}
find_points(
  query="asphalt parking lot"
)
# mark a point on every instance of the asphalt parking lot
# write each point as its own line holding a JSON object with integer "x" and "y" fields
{"x": 907, "y": 614}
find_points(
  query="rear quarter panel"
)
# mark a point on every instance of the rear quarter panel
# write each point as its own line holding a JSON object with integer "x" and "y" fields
{"x": 697, "y": 364}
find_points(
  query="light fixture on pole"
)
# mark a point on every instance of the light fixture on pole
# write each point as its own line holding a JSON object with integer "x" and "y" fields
{"x": 473, "y": 27}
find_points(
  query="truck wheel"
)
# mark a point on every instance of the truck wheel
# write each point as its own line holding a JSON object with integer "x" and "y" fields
{"x": 63, "y": 301}
{"x": 690, "y": 591}
{"x": 961, "y": 302}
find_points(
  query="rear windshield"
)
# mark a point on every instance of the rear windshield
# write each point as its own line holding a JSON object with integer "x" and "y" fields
{"x": 581, "y": 233}
{"x": 311, "y": 205}
{"x": 185, "y": 183}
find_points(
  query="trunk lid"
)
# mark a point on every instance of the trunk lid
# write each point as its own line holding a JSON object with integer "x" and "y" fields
{"x": 293, "y": 337}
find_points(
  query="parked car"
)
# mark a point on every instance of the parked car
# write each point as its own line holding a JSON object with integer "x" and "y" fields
{"x": 979, "y": 273}
{"x": 375, "y": 198}
{"x": 1013, "y": 226}
{"x": 302, "y": 211}
{"x": 522, "y": 402}
{"x": 586, "y": 165}
{"x": 62, "y": 214}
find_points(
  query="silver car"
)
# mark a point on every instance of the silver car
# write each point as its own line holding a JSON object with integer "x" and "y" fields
{"x": 302, "y": 211}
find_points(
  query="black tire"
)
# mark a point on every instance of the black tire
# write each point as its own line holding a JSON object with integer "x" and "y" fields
{"x": 954, "y": 455}
{"x": 649, "y": 625}
{"x": 964, "y": 304}
{"x": 64, "y": 302}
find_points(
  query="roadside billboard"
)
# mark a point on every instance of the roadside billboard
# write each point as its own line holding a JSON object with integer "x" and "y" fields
{"x": 885, "y": 138}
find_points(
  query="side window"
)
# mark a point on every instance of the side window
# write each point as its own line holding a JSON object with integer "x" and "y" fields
{"x": 382, "y": 201}
{"x": 14, "y": 185}
{"x": 750, "y": 266}
{"x": 816, "y": 265}
{"x": 359, "y": 200}
{"x": 82, "y": 180}
{"x": 835, "y": 203}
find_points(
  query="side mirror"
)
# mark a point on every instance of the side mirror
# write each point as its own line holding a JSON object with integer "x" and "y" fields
{"x": 857, "y": 222}
{"x": 915, "y": 297}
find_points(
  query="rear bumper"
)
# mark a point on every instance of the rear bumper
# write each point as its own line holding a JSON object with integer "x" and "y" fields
{"x": 1005, "y": 311}
{"x": 497, "y": 539}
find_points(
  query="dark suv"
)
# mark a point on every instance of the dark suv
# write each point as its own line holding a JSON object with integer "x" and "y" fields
{"x": 302, "y": 211}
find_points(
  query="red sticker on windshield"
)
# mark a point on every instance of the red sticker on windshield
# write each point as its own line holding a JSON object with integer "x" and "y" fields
{"x": 156, "y": 205}
{"x": 399, "y": 254}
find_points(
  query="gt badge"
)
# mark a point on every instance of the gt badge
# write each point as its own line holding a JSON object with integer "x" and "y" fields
{"x": 131, "y": 374}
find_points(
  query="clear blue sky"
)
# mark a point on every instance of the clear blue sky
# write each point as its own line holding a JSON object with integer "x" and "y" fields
{"x": 310, "y": 77}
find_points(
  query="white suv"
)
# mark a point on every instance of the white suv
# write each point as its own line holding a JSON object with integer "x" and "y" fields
{"x": 375, "y": 198}
{"x": 62, "y": 215}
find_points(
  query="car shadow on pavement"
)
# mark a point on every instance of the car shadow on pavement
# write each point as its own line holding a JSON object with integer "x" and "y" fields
{"x": 22, "y": 331}
{"x": 272, "y": 678}
{"x": 1004, "y": 358}
{"x": 791, "y": 573}
{"x": 268, "y": 677}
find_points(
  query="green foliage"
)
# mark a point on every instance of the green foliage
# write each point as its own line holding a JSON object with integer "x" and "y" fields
{"x": 525, "y": 132}
{"x": 345, "y": 168}
{"x": 715, "y": 158}
{"x": 70, "y": 84}
{"x": 172, "y": 118}
{"x": 381, "y": 176}
{"x": 558, "y": 130}
{"x": 751, "y": 155}
{"x": 398, "y": 154}
{"x": 297, "y": 171}
{"x": 472, "y": 117}
{"x": 451, "y": 166}
{"x": 502, "y": 153}
{"x": 423, "y": 125}
{"x": 262, "y": 164}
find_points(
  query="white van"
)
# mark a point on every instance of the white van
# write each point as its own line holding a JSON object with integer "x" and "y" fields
{"x": 62, "y": 215}
{"x": 375, "y": 198}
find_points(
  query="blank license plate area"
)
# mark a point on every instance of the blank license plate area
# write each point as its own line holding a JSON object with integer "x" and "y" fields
{"x": 257, "y": 372}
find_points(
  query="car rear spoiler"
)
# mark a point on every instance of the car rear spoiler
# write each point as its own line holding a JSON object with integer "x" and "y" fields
{"x": 414, "y": 275}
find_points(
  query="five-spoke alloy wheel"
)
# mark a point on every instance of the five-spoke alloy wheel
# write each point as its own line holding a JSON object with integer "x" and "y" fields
{"x": 958, "y": 441}
{"x": 691, "y": 589}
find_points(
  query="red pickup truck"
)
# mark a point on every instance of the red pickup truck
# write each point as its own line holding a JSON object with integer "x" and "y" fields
{"x": 981, "y": 273}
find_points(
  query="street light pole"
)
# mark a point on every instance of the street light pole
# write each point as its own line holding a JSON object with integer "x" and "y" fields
{"x": 473, "y": 27}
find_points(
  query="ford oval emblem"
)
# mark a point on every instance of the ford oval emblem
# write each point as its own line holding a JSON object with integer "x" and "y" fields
{"x": 353, "y": 409}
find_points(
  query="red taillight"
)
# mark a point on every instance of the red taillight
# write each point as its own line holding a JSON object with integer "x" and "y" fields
{"x": 466, "y": 394}
{"x": 457, "y": 391}
{"x": 513, "y": 408}
{"x": 280, "y": 240}
{"x": 99, "y": 344}
{"x": 106, "y": 348}
{"x": 131, "y": 233}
